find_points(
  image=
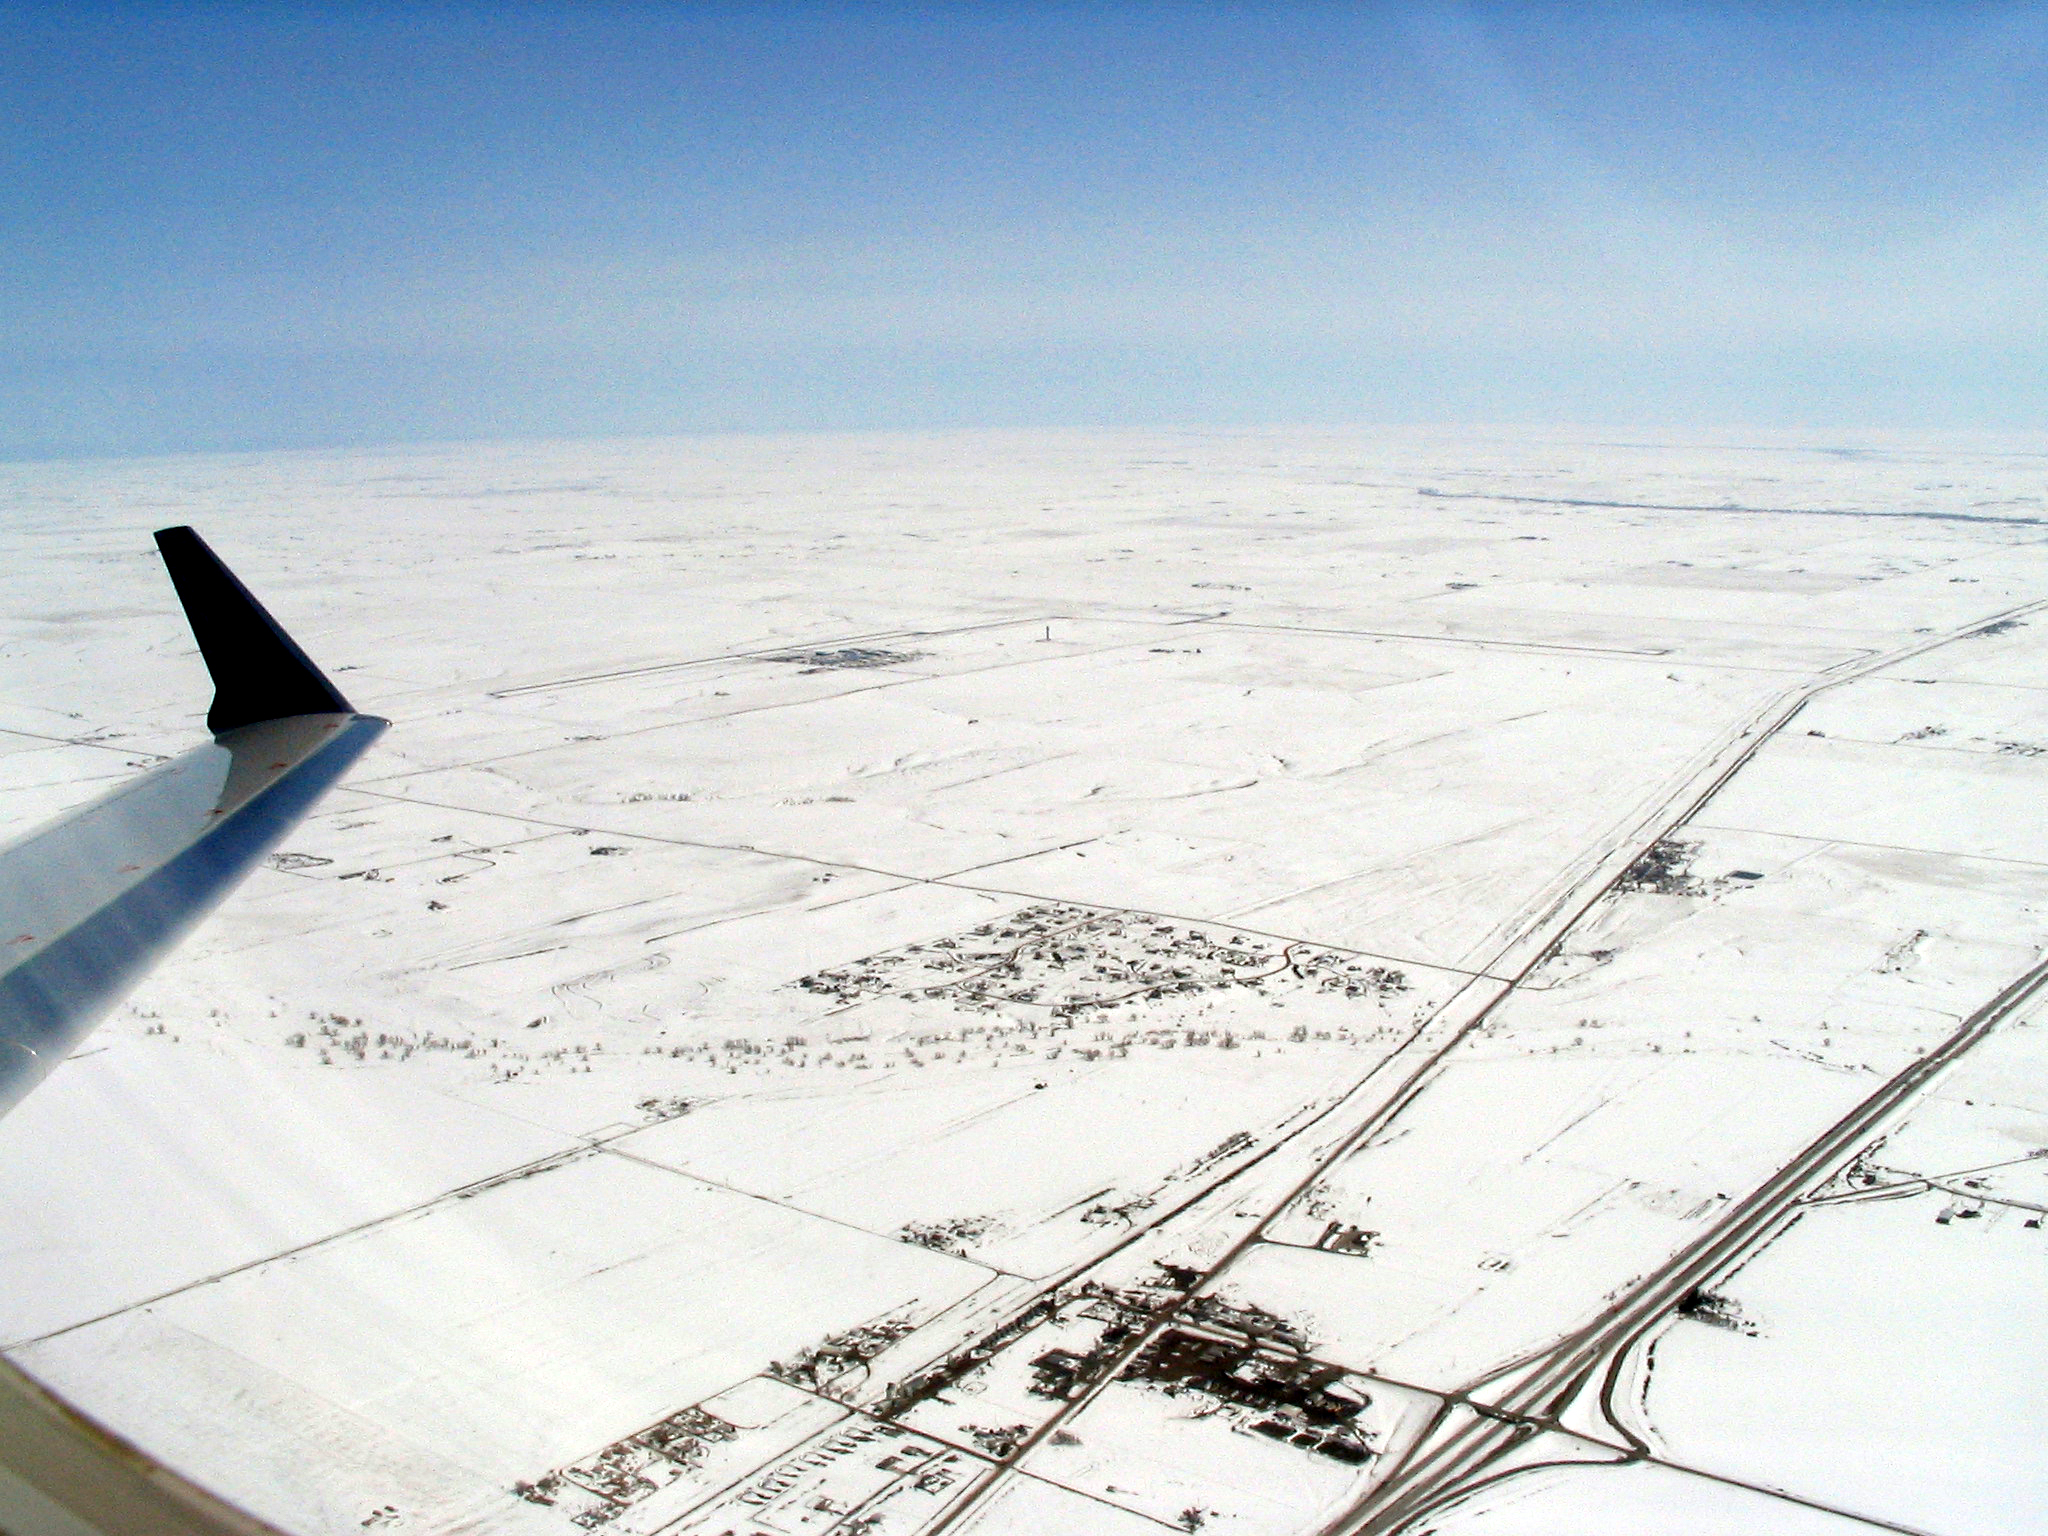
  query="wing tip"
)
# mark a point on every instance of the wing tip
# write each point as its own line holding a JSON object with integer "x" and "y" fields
{"x": 259, "y": 673}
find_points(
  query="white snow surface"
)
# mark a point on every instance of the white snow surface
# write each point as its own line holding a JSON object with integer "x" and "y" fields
{"x": 844, "y": 930}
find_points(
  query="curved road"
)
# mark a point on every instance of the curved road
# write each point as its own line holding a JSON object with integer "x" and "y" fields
{"x": 1448, "y": 1463}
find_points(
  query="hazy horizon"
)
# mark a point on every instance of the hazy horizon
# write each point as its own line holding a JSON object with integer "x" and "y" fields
{"x": 240, "y": 228}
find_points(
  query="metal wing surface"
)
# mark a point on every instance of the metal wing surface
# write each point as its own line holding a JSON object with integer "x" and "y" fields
{"x": 89, "y": 901}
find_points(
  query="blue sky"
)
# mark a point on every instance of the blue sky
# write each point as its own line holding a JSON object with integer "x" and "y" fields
{"x": 247, "y": 226}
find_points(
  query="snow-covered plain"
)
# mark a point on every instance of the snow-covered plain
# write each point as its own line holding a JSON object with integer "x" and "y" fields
{"x": 1018, "y": 984}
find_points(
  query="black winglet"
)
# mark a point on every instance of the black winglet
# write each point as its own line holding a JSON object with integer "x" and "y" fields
{"x": 259, "y": 673}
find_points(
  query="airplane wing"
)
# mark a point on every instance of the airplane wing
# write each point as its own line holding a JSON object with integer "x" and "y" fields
{"x": 89, "y": 901}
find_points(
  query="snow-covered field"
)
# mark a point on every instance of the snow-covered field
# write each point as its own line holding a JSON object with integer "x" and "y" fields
{"x": 1023, "y": 984}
